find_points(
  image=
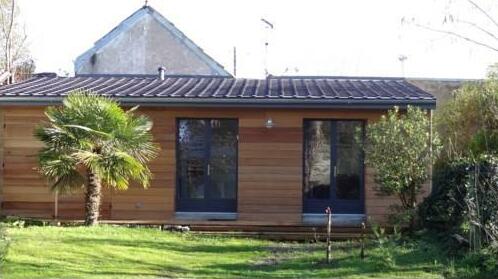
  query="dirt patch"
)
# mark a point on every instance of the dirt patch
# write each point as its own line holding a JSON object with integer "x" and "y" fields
{"x": 282, "y": 252}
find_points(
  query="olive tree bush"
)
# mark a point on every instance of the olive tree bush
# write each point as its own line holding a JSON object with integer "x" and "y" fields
{"x": 468, "y": 124}
{"x": 464, "y": 201}
{"x": 400, "y": 148}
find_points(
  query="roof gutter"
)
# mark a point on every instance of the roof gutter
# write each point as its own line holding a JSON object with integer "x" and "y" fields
{"x": 237, "y": 102}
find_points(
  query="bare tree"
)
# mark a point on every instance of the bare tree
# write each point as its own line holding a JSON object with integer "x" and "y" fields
{"x": 480, "y": 29}
{"x": 24, "y": 70}
{"x": 14, "y": 52}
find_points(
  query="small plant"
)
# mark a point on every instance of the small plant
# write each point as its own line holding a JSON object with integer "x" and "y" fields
{"x": 4, "y": 245}
{"x": 386, "y": 244}
{"x": 450, "y": 270}
{"x": 19, "y": 222}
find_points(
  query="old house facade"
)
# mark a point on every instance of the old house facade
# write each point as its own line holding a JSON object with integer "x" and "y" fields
{"x": 143, "y": 42}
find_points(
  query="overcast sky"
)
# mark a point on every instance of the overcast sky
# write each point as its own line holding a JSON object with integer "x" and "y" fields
{"x": 310, "y": 37}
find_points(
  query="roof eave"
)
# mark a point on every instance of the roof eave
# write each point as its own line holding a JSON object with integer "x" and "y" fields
{"x": 237, "y": 102}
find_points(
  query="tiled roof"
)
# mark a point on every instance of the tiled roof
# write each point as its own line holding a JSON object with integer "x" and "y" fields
{"x": 298, "y": 91}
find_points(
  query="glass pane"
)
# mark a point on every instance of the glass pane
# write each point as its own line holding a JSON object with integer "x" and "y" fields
{"x": 223, "y": 159}
{"x": 349, "y": 159}
{"x": 192, "y": 156}
{"x": 317, "y": 159}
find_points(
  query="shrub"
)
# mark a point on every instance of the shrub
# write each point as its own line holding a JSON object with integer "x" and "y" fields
{"x": 400, "y": 147}
{"x": 481, "y": 202}
{"x": 484, "y": 261}
{"x": 468, "y": 124}
{"x": 465, "y": 201}
{"x": 443, "y": 209}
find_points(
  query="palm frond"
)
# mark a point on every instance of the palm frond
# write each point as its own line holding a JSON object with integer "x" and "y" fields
{"x": 66, "y": 183}
{"x": 59, "y": 169}
{"x": 93, "y": 132}
{"x": 87, "y": 129}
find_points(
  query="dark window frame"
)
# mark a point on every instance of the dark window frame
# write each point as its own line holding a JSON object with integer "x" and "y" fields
{"x": 319, "y": 205}
{"x": 206, "y": 204}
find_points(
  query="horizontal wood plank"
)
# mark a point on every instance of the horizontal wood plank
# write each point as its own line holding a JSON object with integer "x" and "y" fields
{"x": 269, "y": 179}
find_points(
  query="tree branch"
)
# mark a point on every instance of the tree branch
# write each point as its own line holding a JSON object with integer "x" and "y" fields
{"x": 489, "y": 33}
{"x": 8, "y": 38}
{"x": 483, "y": 12}
{"x": 458, "y": 36}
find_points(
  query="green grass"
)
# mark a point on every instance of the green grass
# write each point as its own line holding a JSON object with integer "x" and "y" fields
{"x": 119, "y": 252}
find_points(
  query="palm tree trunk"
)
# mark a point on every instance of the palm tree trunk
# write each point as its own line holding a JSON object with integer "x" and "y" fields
{"x": 92, "y": 199}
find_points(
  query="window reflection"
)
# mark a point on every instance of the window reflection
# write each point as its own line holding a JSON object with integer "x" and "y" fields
{"x": 349, "y": 159}
{"x": 223, "y": 159}
{"x": 192, "y": 146}
{"x": 317, "y": 159}
{"x": 333, "y": 160}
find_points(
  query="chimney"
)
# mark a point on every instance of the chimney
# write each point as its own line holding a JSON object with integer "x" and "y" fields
{"x": 161, "y": 70}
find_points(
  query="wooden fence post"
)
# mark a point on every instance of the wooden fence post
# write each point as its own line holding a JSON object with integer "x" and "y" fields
{"x": 56, "y": 205}
{"x": 362, "y": 253}
{"x": 328, "y": 211}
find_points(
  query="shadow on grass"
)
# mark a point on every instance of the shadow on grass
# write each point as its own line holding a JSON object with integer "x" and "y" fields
{"x": 177, "y": 246}
{"x": 71, "y": 271}
{"x": 304, "y": 264}
{"x": 222, "y": 258}
{"x": 304, "y": 268}
{"x": 294, "y": 260}
{"x": 70, "y": 268}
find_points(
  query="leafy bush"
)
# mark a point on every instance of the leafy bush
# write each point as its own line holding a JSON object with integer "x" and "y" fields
{"x": 465, "y": 201}
{"x": 484, "y": 261}
{"x": 468, "y": 124}
{"x": 401, "y": 148}
{"x": 481, "y": 202}
{"x": 443, "y": 209}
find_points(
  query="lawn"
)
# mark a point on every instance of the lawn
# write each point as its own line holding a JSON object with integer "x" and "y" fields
{"x": 120, "y": 252}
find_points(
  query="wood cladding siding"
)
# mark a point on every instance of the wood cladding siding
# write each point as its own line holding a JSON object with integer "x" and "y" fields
{"x": 1, "y": 157}
{"x": 269, "y": 168}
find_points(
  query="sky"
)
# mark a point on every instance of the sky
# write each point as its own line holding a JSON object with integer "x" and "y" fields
{"x": 310, "y": 37}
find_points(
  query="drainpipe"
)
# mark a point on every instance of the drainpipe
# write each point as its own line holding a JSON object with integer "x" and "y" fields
{"x": 161, "y": 70}
{"x": 430, "y": 137}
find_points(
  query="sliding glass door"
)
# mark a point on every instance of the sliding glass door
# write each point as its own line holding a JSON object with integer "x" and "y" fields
{"x": 333, "y": 166}
{"x": 207, "y": 165}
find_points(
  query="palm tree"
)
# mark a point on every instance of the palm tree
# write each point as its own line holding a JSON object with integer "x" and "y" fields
{"x": 89, "y": 141}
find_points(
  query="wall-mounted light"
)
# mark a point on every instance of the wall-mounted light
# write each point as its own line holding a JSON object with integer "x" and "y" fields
{"x": 269, "y": 123}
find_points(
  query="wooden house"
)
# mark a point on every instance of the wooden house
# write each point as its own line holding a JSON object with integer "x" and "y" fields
{"x": 260, "y": 152}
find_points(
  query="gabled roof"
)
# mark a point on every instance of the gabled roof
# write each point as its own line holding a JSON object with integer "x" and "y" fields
{"x": 168, "y": 25}
{"x": 303, "y": 92}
